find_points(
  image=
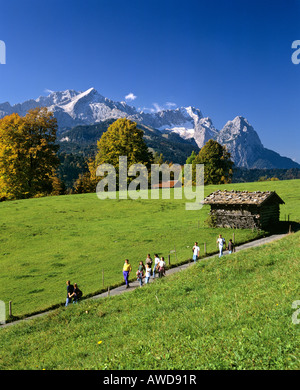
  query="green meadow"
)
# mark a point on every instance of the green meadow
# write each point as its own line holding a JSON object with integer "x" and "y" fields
{"x": 45, "y": 241}
{"x": 233, "y": 313}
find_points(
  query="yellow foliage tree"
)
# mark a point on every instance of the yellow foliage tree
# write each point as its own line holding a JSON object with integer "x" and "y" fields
{"x": 28, "y": 154}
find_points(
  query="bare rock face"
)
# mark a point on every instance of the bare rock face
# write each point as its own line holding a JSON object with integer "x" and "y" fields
{"x": 204, "y": 131}
{"x": 242, "y": 142}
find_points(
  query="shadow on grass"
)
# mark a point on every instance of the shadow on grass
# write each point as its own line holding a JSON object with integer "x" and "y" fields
{"x": 284, "y": 227}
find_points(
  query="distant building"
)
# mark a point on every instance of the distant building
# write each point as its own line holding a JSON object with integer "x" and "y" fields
{"x": 168, "y": 184}
{"x": 243, "y": 209}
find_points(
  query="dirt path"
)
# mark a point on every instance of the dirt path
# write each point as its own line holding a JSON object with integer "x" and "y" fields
{"x": 135, "y": 284}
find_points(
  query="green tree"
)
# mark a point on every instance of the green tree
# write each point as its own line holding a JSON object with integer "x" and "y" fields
{"x": 191, "y": 158}
{"x": 28, "y": 154}
{"x": 123, "y": 138}
{"x": 158, "y": 158}
{"x": 217, "y": 163}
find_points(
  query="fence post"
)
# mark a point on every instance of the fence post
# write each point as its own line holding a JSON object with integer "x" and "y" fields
{"x": 169, "y": 259}
{"x": 108, "y": 291}
{"x": 10, "y": 308}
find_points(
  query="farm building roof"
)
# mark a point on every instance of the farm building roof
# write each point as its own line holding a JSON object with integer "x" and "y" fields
{"x": 241, "y": 197}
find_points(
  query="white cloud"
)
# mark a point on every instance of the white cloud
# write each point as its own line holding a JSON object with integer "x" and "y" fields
{"x": 130, "y": 96}
{"x": 166, "y": 106}
{"x": 171, "y": 105}
{"x": 157, "y": 108}
{"x": 46, "y": 90}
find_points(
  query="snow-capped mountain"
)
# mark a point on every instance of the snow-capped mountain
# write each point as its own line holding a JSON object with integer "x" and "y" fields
{"x": 72, "y": 108}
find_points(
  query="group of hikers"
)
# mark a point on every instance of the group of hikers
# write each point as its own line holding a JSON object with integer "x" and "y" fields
{"x": 221, "y": 244}
{"x": 145, "y": 271}
{"x": 159, "y": 265}
{"x": 73, "y": 293}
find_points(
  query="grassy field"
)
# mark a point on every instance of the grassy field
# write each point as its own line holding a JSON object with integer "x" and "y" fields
{"x": 231, "y": 313}
{"x": 46, "y": 241}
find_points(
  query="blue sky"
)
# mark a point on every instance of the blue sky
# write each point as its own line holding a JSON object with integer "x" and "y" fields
{"x": 225, "y": 57}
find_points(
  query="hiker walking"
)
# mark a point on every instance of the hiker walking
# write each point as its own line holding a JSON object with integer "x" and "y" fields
{"x": 70, "y": 290}
{"x": 126, "y": 272}
{"x": 221, "y": 241}
{"x": 156, "y": 262}
{"x": 140, "y": 273}
{"x": 231, "y": 247}
{"x": 148, "y": 260}
{"x": 196, "y": 251}
{"x": 161, "y": 267}
{"x": 77, "y": 293}
{"x": 148, "y": 273}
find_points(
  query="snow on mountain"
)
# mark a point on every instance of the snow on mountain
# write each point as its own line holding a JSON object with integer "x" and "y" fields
{"x": 72, "y": 108}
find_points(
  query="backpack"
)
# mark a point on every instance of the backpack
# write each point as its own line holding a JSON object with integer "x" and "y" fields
{"x": 79, "y": 294}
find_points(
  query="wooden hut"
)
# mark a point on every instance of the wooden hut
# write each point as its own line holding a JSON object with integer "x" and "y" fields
{"x": 243, "y": 209}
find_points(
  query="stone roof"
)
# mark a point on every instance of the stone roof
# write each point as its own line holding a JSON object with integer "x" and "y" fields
{"x": 241, "y": 197}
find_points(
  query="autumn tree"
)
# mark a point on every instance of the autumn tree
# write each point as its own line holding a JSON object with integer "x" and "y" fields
{"x": 28, "y": 154}
{"x": 217, "y": 163}
{"x": 123, "y": 138}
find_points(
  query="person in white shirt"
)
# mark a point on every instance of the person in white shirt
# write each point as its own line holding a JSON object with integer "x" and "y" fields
{"x": 156, "y": 262}
{"x": 148, "y": 273}
{"x": 221, "y": 241}
{"x": 161, "y": 266}
{"x": 196, "y": 251}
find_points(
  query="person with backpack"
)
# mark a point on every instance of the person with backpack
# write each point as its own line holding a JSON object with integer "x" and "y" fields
{"x": 70, "y": 290}
{"x": 221, "y": 241}
{"x": 156, "y": 262}
{"x": 148, "y": 273}
{"x": 77, "y": 293}
{"x": 161, "y": 267}
{"x": 140, "y": 273}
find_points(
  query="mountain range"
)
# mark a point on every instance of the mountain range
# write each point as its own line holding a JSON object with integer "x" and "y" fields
{"x": 186, "y": 126}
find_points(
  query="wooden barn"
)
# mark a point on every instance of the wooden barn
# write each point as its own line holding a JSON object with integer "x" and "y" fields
{"x": 243, "y": 209}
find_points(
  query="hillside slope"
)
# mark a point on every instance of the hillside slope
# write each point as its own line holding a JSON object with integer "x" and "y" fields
{"x": 233, "y": 313}
{"x": 46, "y": 241}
